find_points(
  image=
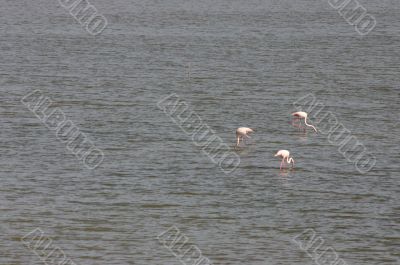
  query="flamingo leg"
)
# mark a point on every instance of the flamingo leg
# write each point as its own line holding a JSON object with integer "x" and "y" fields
{"x": 302, "y": 127}
{"x": 282, "y": 163}
{"x": 298, "y": 125}
{"x": 295, "y": 121}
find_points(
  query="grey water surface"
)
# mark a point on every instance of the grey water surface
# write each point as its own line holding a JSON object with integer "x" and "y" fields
{"x": 249, "y": 61}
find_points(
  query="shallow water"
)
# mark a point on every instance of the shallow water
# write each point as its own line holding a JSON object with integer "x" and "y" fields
{"x": 249, "y": 62}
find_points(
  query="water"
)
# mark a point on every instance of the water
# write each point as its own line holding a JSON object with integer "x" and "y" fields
{"x": 250, "y": 60}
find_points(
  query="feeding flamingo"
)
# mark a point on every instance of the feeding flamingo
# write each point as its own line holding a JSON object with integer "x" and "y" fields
{"x": 303, "y": 115}
{"x": 285, "y": 154}
{"x": 241, "y": 132}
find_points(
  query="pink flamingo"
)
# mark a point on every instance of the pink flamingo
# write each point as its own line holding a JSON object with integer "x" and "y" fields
{"x": 285, "y": 155}
{"x": 241, "y": 132}
{"x": 303, "y": 115}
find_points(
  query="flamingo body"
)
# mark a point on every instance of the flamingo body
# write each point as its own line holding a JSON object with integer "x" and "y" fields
{"x": 303, "y": 115}
{"x": 300, "y": 114}
{"x": 285, "y": 154}
{"x": 241, "y": 133}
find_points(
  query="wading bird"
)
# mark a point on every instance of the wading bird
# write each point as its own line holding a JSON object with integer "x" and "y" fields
{"x": 303, "y": 115}
{"x": 241, "y": 132}
{"x": 285, "y": 155}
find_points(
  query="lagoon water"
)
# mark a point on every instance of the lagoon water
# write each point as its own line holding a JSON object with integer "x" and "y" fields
{"x": 249, "y": 61}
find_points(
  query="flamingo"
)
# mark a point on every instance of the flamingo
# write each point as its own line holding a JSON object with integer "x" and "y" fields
{"x": 303, "y": 115}
{"x": 285, "y": 154}
{"x": 241, "y": 132}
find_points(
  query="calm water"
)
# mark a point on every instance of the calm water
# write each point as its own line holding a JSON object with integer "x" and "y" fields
{"x": 250, "y": 60}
